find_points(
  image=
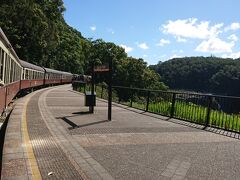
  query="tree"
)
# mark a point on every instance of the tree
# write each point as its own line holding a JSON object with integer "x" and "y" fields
{"x": 204, "y": 74}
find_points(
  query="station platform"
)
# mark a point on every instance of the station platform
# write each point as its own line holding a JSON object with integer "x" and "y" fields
{"x": 51, "y": 135}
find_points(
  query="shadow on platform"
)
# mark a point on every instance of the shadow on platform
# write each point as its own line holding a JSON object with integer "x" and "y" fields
{"x": 75, "y": 126}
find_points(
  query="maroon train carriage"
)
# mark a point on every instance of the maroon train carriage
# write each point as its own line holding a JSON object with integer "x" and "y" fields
{"x": 10, "y": 72}
{"x": 32, "y": 75}
{"x": 66, "y": 77}
{"x": 57, "y": 77}
{"x": 16, "y": 75}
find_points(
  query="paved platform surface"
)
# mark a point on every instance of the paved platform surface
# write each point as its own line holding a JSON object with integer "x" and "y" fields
{"x": 51, "y": 135}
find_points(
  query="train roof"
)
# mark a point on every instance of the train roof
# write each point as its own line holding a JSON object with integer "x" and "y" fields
{"x": 31, "y": 66}
{"x": 48, "y": 70}
{"x": 8, "y": 44}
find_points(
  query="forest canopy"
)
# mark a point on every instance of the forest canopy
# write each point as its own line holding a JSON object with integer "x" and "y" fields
{"x": 40, "y": 35}
{"x": 201, "y": 74}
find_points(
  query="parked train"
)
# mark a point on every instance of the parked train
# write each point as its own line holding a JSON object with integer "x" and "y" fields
{"x": 17, "y": 75}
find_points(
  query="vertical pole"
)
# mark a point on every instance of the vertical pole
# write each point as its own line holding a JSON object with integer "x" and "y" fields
{"x": 102, "y": 91}
{"x": 173, "y": 105}
{"x": 148, "y": 96}
{"x": 131, "y": 99}
{"x": 91, "y": 108}
{"x": 208, "y": 111}
{"x": 110, "y": 91}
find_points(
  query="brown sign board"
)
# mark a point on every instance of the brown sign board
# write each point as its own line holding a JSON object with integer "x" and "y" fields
{"x": 101, "y": 68}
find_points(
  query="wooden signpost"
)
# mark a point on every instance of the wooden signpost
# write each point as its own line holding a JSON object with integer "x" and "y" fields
{"x": 102, "y": 69}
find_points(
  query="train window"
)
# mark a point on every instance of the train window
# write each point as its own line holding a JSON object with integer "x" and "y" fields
{"x": 22, "y": 74}
{"x": 15, "y": 72}
{"x": 19, "y": 73}
{"x": 7, "y": 66}
{"x": 12, "y": 70}
{"x": 26, "y": 74}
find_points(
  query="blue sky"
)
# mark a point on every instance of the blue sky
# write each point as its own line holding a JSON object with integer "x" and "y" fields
{"x": 157, "y": 30}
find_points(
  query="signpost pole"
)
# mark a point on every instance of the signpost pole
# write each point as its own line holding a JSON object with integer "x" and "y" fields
{"x": 91, "y": 108}
{"x": 110, "y": 91}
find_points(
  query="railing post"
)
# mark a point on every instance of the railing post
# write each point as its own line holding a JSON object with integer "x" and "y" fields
{"x": 102, "y": 91}
{"x": 131, "y": 100}
{"x": 173, "y": 105}
{"x": 208, "y": 111}
{"x": 148, "y": 96}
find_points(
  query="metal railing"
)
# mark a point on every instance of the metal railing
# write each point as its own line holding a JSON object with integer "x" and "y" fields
{"x": 208, "y": 110}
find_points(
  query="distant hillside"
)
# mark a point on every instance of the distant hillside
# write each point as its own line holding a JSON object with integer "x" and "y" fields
{"x": 204, "y": 74}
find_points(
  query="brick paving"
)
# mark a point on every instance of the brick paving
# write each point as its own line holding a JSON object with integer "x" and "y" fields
{"x": 15, "y": 163}
{"x": 50, "y": 157}
{"x": 134, "y": 145}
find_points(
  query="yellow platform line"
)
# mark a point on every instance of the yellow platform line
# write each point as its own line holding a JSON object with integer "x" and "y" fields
{"x": 31, "y": 158}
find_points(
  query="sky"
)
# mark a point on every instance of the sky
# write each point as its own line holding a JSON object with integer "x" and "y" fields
{"x": 158, "y": 30}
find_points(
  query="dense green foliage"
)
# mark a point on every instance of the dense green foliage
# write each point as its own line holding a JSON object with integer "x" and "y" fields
{"x": 39, "y": 35}
{"x": 127, "y": 71}
{"x": 204, "y": 74}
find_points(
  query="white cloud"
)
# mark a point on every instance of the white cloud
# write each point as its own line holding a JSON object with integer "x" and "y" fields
{"x": 127, "y": 49}
{"x": 175, "y": 56}
{"x": 162, "y": 56}
{"x": 234, "y": 55}
{"x": 233, "y": 37}
{"x": 190, "y": 28}
{"x": 163, "y": 42}
{"x": 233, "y": 26}
{"x": 215, "y": 45}
{"x": 143, "y": 46}
{"x": 93, "y": 28}
{"x": 179, "y": 39}
{"x": 145, "y": 55}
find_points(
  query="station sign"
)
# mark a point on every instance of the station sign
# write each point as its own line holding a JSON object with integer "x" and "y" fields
{"x": 101, "y": 68}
